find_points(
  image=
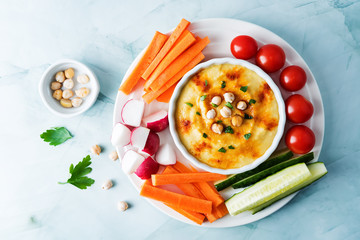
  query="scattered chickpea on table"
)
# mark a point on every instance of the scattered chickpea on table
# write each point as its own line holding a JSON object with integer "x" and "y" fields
{"x": 64, "y": 79}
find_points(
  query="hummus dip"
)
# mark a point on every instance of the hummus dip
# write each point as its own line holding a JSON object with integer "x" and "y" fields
{"x": 232, "y": 134}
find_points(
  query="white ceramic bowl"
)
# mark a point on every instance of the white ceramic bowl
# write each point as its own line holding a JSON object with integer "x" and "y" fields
{"x": 49, "y": 76}
{"x": 261, "y": 73}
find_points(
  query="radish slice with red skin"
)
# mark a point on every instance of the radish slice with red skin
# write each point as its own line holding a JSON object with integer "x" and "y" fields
{"x": 157, "y": 121}
{"x": 131, "y": 161}
{"x": 148, "y": 166}
{"x": 139, "y": 137}
{"x": 132, "y": 112}
{"x": 120, "y": 135}
{"x": 166, "y": 155}
{"x": 129, "y": 147}
{"x": 152, "y": 143}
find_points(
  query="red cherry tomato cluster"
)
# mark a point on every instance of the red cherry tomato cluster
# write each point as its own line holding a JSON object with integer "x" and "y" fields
{"x": 271, "y": 58}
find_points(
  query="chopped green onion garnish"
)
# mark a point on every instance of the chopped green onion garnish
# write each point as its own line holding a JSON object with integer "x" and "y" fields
{"x": 247, "y": 136}
{"x": 228, "y": 129}
{"x": 202, "y": 98}
{"x": 189, "y": 104}
{"x": 244, "y": 88}
{"x": 223, "y": 84}
{"x": 214, "y": 105}
{"x": 219, "y": 121}
{"x": 231, "y": 147}
{"x": 252, "y": 101}
{"x": 229, "y": 105}
{"x": 206, "y": 82}
{"x": 223, "y": 150}
{"x": 197, "y": 113}
{"x": 204, "y": 135}
{"x": 247, "y": 116}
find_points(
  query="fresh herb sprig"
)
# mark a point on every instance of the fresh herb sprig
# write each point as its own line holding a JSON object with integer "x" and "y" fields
{"x": 223, "y": 150}
{"x": 229, "y": 129}
{"x": 252, "y": 101}
{"x": 229, "y": 105}
{"x": 56, "y": 136}
{"x": 244, "y": 88}
{"x": 247, "y": 136}
{"x": 78, "y": 178}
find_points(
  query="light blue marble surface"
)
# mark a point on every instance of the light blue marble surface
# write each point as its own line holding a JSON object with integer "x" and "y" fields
{"x": 107, "y": 35}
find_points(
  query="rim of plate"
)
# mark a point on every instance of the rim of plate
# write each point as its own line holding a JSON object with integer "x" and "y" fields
{"x": 258, "y": 71}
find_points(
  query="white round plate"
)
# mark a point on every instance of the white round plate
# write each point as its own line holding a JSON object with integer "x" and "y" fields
{"x": 221, "y": 31}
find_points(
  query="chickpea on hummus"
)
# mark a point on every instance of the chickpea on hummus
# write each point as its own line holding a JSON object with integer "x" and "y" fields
{"x": 234, "y": 108}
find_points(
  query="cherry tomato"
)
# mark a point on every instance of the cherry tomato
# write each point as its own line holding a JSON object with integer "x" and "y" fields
{"x": 243, "y": 47}
{"x": 298, "y": 109}
{"x": 293, "y": 78}
{"x": 270, "y": 58}
{"x": 300, "y": 139}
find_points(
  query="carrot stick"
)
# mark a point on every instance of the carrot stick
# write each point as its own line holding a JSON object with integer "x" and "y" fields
{"x": 192, "y": 191}
{"x": 175, "y": 199}
{"x": 193, "y": 216}
{"x": 188, "y": 188}
{"x": 171, "y": 56}
{"x": 181, "y": 37}
{"x": 166, "y": 96}
{"x": 154, "y": 47}
{"x": 217, "y": 212}
{"x": 178, "y": 64}
{"x": 162, "y": 179}
{"x": 152, "y": 95}
{"x": 167, "y": 46}
{"x": 207, "y": 189}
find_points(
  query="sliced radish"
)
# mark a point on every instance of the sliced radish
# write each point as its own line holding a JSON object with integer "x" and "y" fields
{"x": 131, "y": 161}
{"x": 148, "y": 166}
{"x": 132, "y": 112}
{"x": 157, "y": 121}
{"x": 120, "y": 135}
{"x": 139, "y": 136}
{"x": 129, "y": 147}
{"x": 152, "y": 143}
{"x": 166, "y": 155}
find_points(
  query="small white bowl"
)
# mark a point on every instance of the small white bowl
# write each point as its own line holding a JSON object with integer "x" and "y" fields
{"x": 261, "y": 73}
{"x": 49, "y": 76}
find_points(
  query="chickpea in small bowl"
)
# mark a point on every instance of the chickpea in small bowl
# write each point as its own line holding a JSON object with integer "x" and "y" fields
{"x": 68, "y": 88}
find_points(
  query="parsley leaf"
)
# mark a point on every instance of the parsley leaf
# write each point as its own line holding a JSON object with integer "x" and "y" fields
{"x": 223, "y": 150}
{"x": 231, "y": 147}
{"x": 252, "y": 101}
{"x": 189, "y": 104}
{"x": 202, "y": 98}
{"x": 205, "y": 135}
{"x": 214, "y": 105}
{"x": 78, "y": 178}
{"x": 56, "y": 135}
{"x": 206, "y": 83}
{"x": 247, "y": 116}
{"x": 223, "y": 84}
{"x": 247, "y": 136}
{"x": 229, "y": 105}
{"x": 244, "y": 88}
{"x": 219, "y": 121}
{"x": 228, "y": 129}
{"x": 197, "y": 113}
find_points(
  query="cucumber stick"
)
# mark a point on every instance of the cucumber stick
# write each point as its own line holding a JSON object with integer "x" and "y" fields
{"x": 267, "y": 172}
{"x": 267, "y": 189}
{"x": 317, "y": 171}
{"x": 276, "y": 158}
